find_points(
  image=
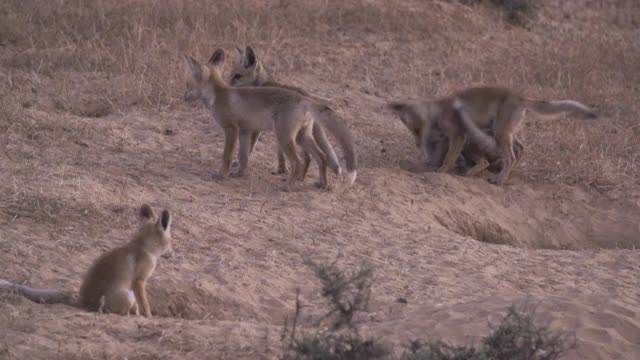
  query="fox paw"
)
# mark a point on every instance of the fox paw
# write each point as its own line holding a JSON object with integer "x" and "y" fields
{"x": 322, "y": 185}
{"x": 280, "y": 171}
{"x": 496, "y": 180}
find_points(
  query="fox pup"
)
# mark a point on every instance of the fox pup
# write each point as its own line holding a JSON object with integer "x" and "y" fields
{"x": 242, "y": 112}
{"x": 116, "y": 281}
{"x": 494, "y": 108}
{"x": 436, "y": 145}
{"x": 248, "y": 70}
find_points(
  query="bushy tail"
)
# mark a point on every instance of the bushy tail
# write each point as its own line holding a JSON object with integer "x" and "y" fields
{"x": 330, "y": 120}
{"x": 554, "y": 107}
{"x": 42, "y": 296}
{"x": 485, "y": 141}
{"x": 325, "y": 146}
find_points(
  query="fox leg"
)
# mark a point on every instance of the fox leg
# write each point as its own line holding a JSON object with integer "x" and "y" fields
{"x": 119, "y": 301}
{"x": 306, "y": 157}
{"x": 481, "y": 163}
{"x": 508, "y": 160}
{"x": 140, "y": 293}
{"x": 254, "y": 139}
{"x": 312, "y": 148}
{"x": 455, "y": 149}
{"x": 230, "y": 138}
{"x": 246, "y": 139}
{"x": 291, "y": 151}
{"x": 518, "y": 151}
{"x": 287, "y": 142}
{"x": 511, "y": 116}
{"x": 282, "y": 162}
{"x": 323, "y": 143}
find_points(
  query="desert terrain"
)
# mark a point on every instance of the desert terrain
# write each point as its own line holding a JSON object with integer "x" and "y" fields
{"x": 92, "y": 125}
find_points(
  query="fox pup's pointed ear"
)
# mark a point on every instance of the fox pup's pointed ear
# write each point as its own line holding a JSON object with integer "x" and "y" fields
{"x": 188, "y": 60}
{"x": 217, "y": 58}
{"x": 146, "y": 213}
{"x": 164, "y": 222}
{"x": 195, "y": 68}
{"x": 239, "y": 59}
{"x": 250, "y": 58}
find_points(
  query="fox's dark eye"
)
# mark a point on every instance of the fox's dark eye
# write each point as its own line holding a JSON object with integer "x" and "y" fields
{"x": 237, "y": 76}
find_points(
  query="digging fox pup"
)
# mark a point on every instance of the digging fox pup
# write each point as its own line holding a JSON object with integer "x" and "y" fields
{"x": 497, "y": 109}
{"x": 242, "y": 112}
{"x": 248, "y": 70}
{"x": 116, "y": 281}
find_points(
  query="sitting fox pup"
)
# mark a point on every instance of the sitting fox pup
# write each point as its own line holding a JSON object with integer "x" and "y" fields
{"x": 116, "y": 281}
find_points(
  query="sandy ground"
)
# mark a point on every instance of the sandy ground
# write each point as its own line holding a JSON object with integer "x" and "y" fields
{"x": 459, "y": 250}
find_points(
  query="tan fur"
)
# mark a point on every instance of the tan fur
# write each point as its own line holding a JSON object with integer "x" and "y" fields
{"x": 475, "y": 159}
{"x": 496, "y": 109}
{"x": 241, "y": 112}
{"x": 248, "y": 71}
{"x": 116, "y": 282}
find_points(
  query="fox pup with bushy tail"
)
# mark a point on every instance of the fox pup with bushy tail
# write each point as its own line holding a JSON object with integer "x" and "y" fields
{"x": 248, "y": 70}
{"x": 491, "y": 116}
{"x": 242, "y": 112}
{"x": 116, "y": 282}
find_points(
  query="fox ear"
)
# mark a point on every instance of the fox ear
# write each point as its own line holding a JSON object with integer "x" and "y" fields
{"x": 217, "y": 57}
{"x": 250, "y": 58}
{"x": 164, "y": 222}
{"x": 239, "y": 59}
{"x": 188, "y": 60}
{"x": 193, "y": 66}
{"x": 146, "y": 213}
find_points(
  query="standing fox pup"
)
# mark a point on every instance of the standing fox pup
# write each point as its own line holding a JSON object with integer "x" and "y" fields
{"x": 242, "y": 112}
{"x": 116, "y": 281}
{"x": 494, "y": 108}
{"x": 248, "y": 71}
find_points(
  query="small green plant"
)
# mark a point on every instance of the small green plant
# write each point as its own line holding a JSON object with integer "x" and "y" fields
{"x": 516, "y": 338}
{"x": 348, "y": 292}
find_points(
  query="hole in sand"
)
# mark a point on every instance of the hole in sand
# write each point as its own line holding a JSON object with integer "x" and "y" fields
{"x": 530, "y": 220}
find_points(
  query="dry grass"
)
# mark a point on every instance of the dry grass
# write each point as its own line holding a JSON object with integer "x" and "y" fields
{"x": 94, "y": 58}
